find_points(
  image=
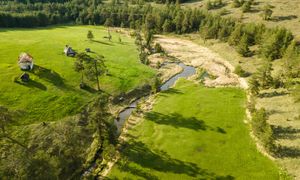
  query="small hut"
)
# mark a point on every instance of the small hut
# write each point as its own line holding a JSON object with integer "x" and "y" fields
{"x": 25, "y": 77}
{"x": 69, "y": 51}
{"x": 25, "y": 61}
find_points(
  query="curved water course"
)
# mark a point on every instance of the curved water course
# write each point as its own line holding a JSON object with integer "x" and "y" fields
{"x": 124, "y": 115}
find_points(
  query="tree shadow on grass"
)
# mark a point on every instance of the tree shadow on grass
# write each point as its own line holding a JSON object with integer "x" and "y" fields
{"x": 170, "y": 91}
{"x": 102, "y": 42}
{"x": 138, "y": 153}
{"x": 177, "y": 120}
{"x": 33, "y": 84}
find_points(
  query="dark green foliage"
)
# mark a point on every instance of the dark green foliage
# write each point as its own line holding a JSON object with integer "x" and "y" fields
{"x": 246, "y": 6}
{"x": 240, "y": 71}
{"x": 267, "y": 12}
{"x": 158, "y": 48}
{"x": 144, "y": 58}
{"x": 90, "y": 35}
{"x": 264, "y": 76}
{"x": 236, "y": 35}
{"x": 91, "y": 67}
{"x": 292, "y": 61}
{"x": 275, "y": 43}
{"x": 243, "y": 47}
{"x": 262, "y": 129}
{"x": 254, "y": 85}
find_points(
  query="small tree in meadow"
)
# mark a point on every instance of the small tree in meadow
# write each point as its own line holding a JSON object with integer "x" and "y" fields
{"x": 90, "y": 35}
{"x": 267, "y": 12}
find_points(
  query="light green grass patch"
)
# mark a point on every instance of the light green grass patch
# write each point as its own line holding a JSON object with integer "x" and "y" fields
{"x": 54, "y": 93}
{"x": 194, "y": 132}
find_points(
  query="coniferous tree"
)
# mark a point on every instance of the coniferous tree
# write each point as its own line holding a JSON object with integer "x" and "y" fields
{"x": 236, "y": 35}
{"x": 267, "y": 12}
{"x": 243, "y": 47}
{"x": 90, "y": 35}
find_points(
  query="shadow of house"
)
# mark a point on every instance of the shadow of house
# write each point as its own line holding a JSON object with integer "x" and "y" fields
{"x": 49, "y": 76}
{"x": 33, "y": 84}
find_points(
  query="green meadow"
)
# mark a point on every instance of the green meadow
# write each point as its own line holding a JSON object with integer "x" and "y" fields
{"x": 194, "y": 132}
{"x": 53, "y": 91}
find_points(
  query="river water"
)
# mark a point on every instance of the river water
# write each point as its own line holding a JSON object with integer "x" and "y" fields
{"x": 124, "y": 115}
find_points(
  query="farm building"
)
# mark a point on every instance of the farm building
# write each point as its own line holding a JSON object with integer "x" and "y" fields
{"x": 25, "y": 61}
{"x": 69, "y": 51}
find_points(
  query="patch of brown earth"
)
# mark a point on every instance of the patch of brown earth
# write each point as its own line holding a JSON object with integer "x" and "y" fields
{"x": 198, "y": 56}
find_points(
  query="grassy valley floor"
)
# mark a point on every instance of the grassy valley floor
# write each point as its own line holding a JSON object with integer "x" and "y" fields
{"x": 193, "y": 132}
{"x": 54, "y": 92}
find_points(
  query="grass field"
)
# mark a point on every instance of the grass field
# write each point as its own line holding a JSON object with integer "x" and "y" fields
{"x": 54, "y": 90}
{"x": 194, "y": 132}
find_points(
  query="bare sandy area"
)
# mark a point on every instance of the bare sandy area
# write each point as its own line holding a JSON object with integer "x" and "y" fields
{"x": 198, "y": 56}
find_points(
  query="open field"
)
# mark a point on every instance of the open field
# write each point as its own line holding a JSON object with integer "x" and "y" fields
{"x": 54, "y": 90}
{"x": 286, "y": 13}
{"x": 193, "y": 132}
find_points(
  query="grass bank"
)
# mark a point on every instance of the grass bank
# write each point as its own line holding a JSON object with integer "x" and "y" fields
{"x": 194, "y": 132}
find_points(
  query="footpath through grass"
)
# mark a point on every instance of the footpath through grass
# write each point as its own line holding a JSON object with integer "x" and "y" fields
{"x": 194, "y": 132}
{"x": 54, "y": 90}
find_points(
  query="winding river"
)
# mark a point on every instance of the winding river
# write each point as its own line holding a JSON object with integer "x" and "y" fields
{"x": 124, "y": 115}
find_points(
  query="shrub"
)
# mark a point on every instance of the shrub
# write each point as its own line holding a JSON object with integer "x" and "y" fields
{"x": 239, "y": 71}
{"x": 158, "y": 48}
{"x": 262, "y": 130}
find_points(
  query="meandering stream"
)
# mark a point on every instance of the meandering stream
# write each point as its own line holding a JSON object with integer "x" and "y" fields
{"x": 124, "y": 115}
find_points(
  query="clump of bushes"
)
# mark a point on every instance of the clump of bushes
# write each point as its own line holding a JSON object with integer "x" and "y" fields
{"x": 240, "y": 71}
{"x": 262, "y": 129}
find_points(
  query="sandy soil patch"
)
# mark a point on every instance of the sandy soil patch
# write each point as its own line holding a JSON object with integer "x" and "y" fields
{"x": 198, "y": 56}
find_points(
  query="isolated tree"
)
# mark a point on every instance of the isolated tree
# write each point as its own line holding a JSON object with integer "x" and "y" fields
{"x": 109, "y": 35}
{"x": 79, "y": 67}
{"x": 89, "y": 66}
{"x": 291, "y": 61}
{"x": 94, "y": 68}
{"x": 243, "y": 47}
{"x": 90, "y": 35}
{"x": 267, "y": 12}
{"x": 264, "y": 75}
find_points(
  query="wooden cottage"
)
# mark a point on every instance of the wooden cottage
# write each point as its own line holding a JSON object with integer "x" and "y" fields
{"x": 69, "y": 51}
{"x": 25, "y": 61}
